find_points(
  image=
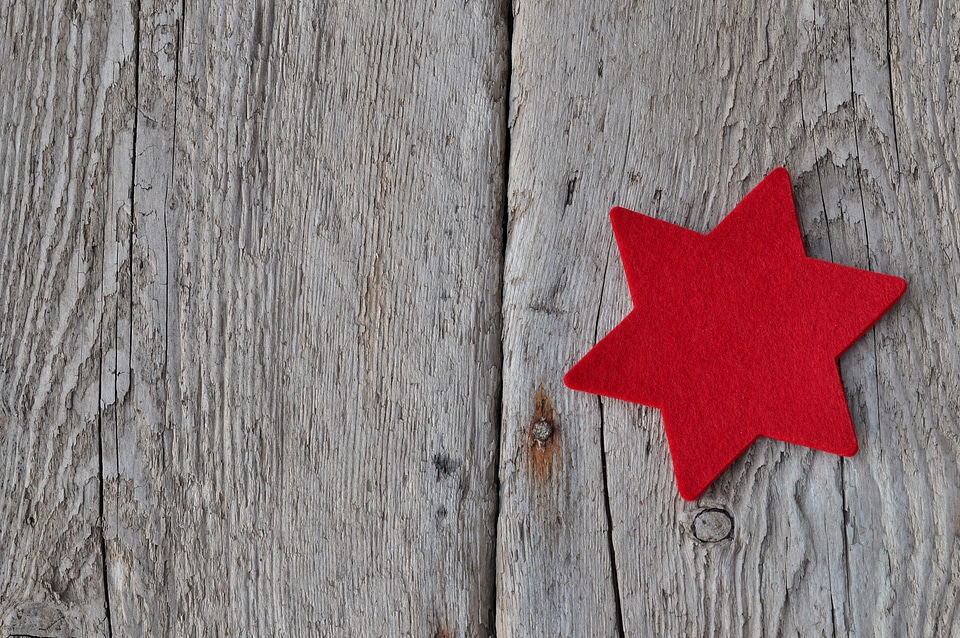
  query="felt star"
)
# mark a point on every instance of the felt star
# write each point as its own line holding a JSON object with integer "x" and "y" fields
{"x": 735, "y": 334}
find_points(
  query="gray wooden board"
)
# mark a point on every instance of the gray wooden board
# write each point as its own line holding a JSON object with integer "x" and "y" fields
{"x": 66, "y": 114}
{"x": 678, "y": 110}
{"x": 260, "y": 373}
{"x": 300, "y": 316}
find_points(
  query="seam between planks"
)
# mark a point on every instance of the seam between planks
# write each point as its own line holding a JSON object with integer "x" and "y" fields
{"x": 507, "y": 15}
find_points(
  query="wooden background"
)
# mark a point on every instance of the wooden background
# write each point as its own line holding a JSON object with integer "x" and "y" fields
{"x": 284, "y": 287}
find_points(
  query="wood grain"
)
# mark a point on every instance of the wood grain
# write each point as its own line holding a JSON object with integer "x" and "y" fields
{"x": 66, "y": 115}
{"x": 271, "y": 363}
{"x": 300, "y": 320}
{"x": 318, "y": 318}
{"x": 678, "y": 111}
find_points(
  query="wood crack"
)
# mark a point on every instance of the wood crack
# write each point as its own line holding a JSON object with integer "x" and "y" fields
{"x": 893, "y": 108}
{"x": 846, "y": 539}
{"x": 166, "y": 204}
{"x": 615, "y": 581}
{"x": 866, "y": 235}
{"x": 611, "y": 546}
{"x": 102, "y": 497}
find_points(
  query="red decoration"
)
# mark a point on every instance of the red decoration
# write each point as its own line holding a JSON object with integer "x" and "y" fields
{"x": 735, "y": 334}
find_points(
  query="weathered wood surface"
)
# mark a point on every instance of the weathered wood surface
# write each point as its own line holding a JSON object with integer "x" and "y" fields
{"x": 258, "y": 364}
{"x": 276, "y": 228}
{"x": 66, "y": 116}
{"x": 678, "y": 110}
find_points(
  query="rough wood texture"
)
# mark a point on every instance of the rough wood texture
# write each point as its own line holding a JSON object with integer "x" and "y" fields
{"x": 296, "y": 308}
{"x": 66, "y": 114}
{"x": 255, "y": 344}
{"x": 678, "y": 111}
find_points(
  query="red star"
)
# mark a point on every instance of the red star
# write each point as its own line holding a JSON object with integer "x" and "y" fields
{"x": 735, "y": 334}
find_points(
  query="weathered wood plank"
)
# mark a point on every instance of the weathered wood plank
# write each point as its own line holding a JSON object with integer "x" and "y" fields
{"x": 678, "y": 111}
{"x": 903, "y": 489}
{"x": 310, "y": 436}
{"x": 67, "y": 103}
{"x": 554, "y": 575}
{"x": 139, "y": 527}
{"x": 292, "y": 287}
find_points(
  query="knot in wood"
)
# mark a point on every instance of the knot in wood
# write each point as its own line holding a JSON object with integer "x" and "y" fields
{"x": 542, "y": 430}
{"x": 713, "y": 525}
